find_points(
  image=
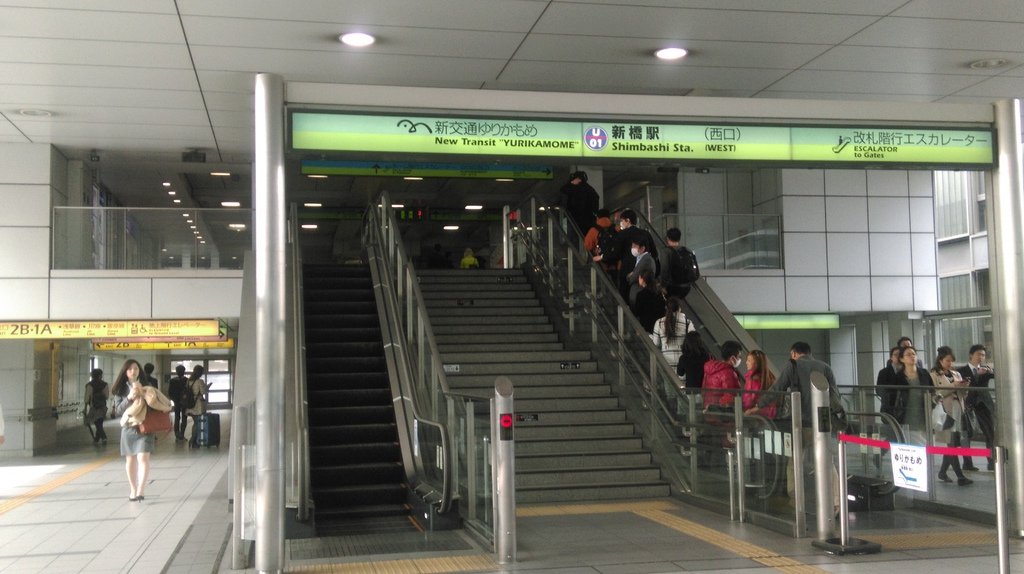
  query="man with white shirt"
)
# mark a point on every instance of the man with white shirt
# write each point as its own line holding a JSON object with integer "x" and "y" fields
{"x": 980, "y": 403}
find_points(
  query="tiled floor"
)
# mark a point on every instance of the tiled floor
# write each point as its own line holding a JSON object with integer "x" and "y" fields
{"x": 68, "y": 512}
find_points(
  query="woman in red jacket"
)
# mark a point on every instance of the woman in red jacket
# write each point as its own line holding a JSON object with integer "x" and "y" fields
{"x": 759, "y": 378}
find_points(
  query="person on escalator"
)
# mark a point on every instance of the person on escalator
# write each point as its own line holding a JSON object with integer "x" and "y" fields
{"x": 758, "y": 378}
{"x": 623, "y": 258}
{"x": 601, "y": 239}
{"x": 580, "y": 201}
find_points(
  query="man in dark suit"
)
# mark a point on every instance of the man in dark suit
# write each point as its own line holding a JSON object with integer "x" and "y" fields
{"x": 979, "y": 402}
{"x": 890, "y": 397}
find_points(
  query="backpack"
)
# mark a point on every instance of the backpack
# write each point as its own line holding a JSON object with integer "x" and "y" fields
{"x": 607, "y": 244}
{"x": 190, "y": 397}
{"x": 97, "y": 400}
{"x": 689, "y": 271}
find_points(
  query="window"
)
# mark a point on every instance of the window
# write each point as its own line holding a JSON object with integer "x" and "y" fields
{"x": 955, "y": 292}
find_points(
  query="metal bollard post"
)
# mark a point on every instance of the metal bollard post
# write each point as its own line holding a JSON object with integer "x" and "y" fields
{"x": 730, "y": 463}
{"x": 502, "y": 427}
{"x": 1002, "y": 525}
{"x": 844, "y": 506}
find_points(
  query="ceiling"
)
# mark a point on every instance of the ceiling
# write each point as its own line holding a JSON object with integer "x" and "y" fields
{"x": 135, "y": 83}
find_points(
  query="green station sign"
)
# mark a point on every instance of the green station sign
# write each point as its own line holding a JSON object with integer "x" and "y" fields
{"x": 323, "y": 131}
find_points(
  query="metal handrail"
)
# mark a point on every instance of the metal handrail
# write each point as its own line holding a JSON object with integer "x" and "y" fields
{"x": 410, "y": 378}
{"x": 302, "y": 472}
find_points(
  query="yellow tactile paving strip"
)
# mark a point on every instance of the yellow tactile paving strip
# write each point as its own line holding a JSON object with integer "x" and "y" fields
{"x": 42, "y": 489}
{"x": 474, "y": 563}
{"x": 654, "y": 511}
{"x": 933, "y": 539}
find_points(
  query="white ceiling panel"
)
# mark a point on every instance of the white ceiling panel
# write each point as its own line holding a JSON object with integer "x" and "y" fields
{"x": 90, "y": 25}
{"x": 991, "y": 10}
{"x": 129, "y": 145}
{"x": 861, "y": 7}
{"x": 864, "y": 83}
{"x": 230, "y": 101}
{"x": 36, "y": 130}
{"x": 240, "y": 82}
{"x": 235, "y": 32}
{"x": 43, "y": 96}
{"x": 842, "y": 96}
{"x": 7, "y": 128}
{"x": 495, "y": 15}
{"x": 233, "y": 119}
{"x": 996, "y": 88}
{"x": 98, "y": 114}
{"x": 307, "y": 66}
{"x": 689, "y": 24}
{"x": 948, "y": 34}
{"x": 149, "y": 6}
{"x": 97, "y": 76}
{"x": 610, "y": 78}
{"x": 553, "y": 47}
{"x": 13, "y": 138}
{"x": 91, "y": 52}
{"x": 904, "y": 60}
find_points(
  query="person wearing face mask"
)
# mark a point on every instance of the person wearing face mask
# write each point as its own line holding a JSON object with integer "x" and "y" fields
{"x": 623, "y": 257}
{"x": 722, "y": 374}
{"x": 640, "y": 250}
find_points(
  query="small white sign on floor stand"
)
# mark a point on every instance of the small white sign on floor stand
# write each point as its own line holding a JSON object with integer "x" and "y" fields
{"x": 909, "y": 466}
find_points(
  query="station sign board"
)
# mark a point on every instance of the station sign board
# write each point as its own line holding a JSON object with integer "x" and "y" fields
{"x": 711, "y": 142}
{"x": 129, "y": 345}
{"x": 178, "y": 329}
{"x": 425, "y": 169}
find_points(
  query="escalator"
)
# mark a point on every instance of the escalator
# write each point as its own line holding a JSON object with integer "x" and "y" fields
{"x": 358, "y": 482}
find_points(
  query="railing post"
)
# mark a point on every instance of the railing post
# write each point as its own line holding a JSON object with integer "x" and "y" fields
{"x": 572, "y": 289}
{"x": 622, "y": 344}
{"x": 502, "y": 425}
{"x": 506, "y": 239}
{"x": 797, "y": 464}
{"x": 239, "y": 438}
{"x": 741, "y": 467}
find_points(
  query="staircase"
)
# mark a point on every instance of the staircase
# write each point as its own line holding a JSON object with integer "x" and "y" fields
{"x": 574, "y": 442}
{"x": 358, "y": 483}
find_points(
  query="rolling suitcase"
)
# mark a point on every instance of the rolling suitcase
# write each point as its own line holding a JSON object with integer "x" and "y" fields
{"x": 207, "y": 432}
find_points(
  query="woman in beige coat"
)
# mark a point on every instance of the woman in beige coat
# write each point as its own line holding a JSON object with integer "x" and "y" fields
{"x": 947, "y": 384}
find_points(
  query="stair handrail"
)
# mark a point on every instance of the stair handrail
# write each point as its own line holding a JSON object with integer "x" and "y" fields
{"x": 301, "y": 464}
{"x": 387, "y": 266}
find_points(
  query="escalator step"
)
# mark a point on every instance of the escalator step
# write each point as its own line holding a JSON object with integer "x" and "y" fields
{"x": 353, "y": 474}
{"x": 343, "y": 335}
{"x": 350, "y": 397}
{"x": 347, "y": 321}
{"x": 329, "y": 455}
{"x": 344, "y": 349}
{"x": 329, "y": 416}
{"x": 339, "y": 307}
{"x": 318, "y": 365}
{"x": 350, "y": 380}
{"x": 353, "y": 434}
{"x": 345, "y": 496}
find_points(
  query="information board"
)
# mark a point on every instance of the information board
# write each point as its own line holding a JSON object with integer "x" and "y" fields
{"x": 178, "y": 328}
{"x": 909, "y": 466}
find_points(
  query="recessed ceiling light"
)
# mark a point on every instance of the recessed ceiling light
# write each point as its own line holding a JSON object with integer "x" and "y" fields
{"x": 166, "y": 184}
{"x": 177, "y": 201}
{"x": 451, "y": 227}
{"x": 671, "y": 53}
{"x": 412, "y": 178}
{"x": 316, "y": 176}
{"x": 164, "y": 250}
{"x": 988, "y": 63}
{"x": 397, "y": 205}
{"x": 312, "y": 205}
{"x": 357, "y": 39}
{"x": 184, "y": 215}
{"x": 220, "y": 173}
{"x": 188, "y": 221}
{"x": 230, "y": 204}
{"x": 309, "y": 226}
{"x": 35, "y": 113}
{"x": 192, "y": 226}
{"x": 172, "y": 192}
{"x": 474, "y": 207}
{"x": 203, "y": 242}
{"x": 504, "y": 179}
{"x": 236, "y": 225}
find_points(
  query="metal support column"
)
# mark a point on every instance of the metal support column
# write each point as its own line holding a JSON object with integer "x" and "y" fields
{"x": 1006, "y": 264}
{"x": 270, "y": 247}
{"x": 502, "y": 425}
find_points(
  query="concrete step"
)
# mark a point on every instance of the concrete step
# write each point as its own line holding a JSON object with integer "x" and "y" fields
{"x": 477, "y": 296}
{"x": 510, "y": 369}
{"x": 496, "y": 348}
{"x": 472, "y": 286}
{"x": 521, "y": 356}
{"x": 486, "y": 391}
{"x": 587, "y": 476}
{"x": 577, "y": 446}
{"x": 489, "y": 311}
{"x": 494, "y": 328}
{"x": 601, "y": 402}
{"x": 570, "y": 417}
{"x": 435, "y": 274}
{"x": 468, "y": 320}
{"x": 582, "y": 430}
{"x": 522, "y": 382}
{"x": 525, "y": 463}
{"x": 444, "y": 304}
{"x": 574, "y": 493}
{"x": 491, "y": 338}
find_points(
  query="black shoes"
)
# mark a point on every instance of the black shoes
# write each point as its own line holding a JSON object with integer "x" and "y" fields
{"x": 970, "y": 467}
{"x": 944, "y": 478}
{"x": 962, "y": 481}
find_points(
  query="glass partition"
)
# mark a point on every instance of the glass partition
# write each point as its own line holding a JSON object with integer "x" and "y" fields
{"x": 690, "y": 444}
{"x": 730, "y": 241}
{"x": 150, "y": 238}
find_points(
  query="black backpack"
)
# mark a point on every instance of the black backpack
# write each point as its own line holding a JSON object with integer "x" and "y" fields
{"x": 607, "y": 244}
{"x": 689, "y": 271}
{"x": 98, "y": 400}
{"x": 190, "y": 396}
